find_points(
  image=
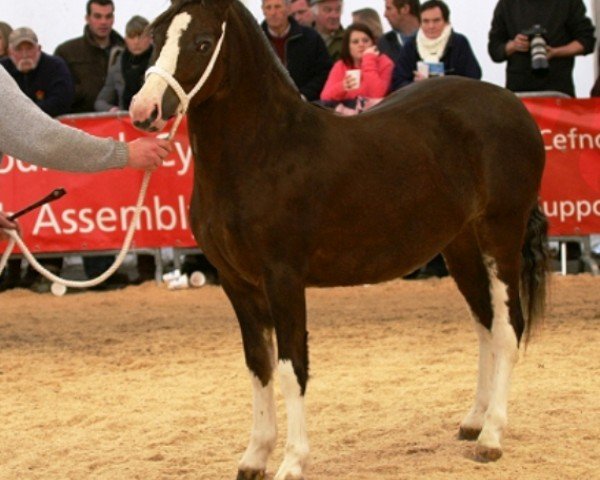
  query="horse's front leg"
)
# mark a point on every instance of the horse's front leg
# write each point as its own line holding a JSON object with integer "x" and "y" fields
{"x": 257, "y": 335}
{"x": 288, "y": 310}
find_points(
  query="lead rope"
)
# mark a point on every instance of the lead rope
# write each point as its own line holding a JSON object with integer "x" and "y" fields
{"x": 15, "y": 238}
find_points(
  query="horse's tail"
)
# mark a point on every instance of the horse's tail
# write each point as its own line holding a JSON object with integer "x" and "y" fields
{"x": 534, "y": 269}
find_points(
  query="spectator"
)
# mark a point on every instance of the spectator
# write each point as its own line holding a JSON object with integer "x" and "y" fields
{"x": 302, "y": 13}
{"x": 46, "y": 80}
{"x": 568, "y": 33}
{"x": 53, "y": 145}
{"x": 435, "y": 43}
{"x": 403, "y": 17}
{"x": 5, "y": 30}
{"x": 327, "y": 22}
{"x": 126, "y": 76}
{"x": 88, "y": 58}
{"x": 358, "y": 53}
{"x": 300, "y": 49}
{"x": 370, "y": 18}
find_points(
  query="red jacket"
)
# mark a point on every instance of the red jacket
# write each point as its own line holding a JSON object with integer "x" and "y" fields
{"x": 376, "y": 76}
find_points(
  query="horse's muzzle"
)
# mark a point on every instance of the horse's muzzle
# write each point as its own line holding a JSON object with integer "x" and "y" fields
{"x": 147, "y": 124}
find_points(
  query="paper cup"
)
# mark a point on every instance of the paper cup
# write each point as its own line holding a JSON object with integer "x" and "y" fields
{"x": 58, "y": 289}
{"x": 168, "y": 277}
{"x": 197, "y": 279}
{"x": 423, "y": 69}
{"x": 179, "y": 283}
{"x": 354, "y": 74}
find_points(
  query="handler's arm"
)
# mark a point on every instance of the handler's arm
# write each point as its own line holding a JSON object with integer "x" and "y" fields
{"x": 30, "y": 135}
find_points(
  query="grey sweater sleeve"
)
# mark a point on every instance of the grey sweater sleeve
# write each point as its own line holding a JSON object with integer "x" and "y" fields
{"x": 30, "y": 135}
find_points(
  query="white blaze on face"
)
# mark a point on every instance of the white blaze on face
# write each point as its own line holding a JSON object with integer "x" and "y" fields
{"x": 151, "y": 94}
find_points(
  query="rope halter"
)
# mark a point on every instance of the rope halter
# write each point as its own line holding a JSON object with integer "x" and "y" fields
{"x": 185, "y": 98}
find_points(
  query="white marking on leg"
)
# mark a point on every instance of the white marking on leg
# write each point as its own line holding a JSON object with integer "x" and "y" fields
{"x": 151, "y": 93}
{"x": 296, "y": 448}
{"x": 505, "y": 354}
{"x": 264, "y": 427}
{"x": 473, "y": 422}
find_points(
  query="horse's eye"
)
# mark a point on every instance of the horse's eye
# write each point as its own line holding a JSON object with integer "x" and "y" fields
{"x": 203, "y": 46}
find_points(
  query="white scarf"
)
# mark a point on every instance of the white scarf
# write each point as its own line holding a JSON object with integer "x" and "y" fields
{"x": 432, "y": 49}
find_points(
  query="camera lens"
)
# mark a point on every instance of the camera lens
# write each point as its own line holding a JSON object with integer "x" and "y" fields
{"x": 539, "y": 54}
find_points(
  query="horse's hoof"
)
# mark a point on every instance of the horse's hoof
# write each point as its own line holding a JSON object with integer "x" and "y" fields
{"x": 251, "y": 475}
{"x": 488, "y": 454}
{"x": 290, "y": 476}
{"x": 468, "y": 433}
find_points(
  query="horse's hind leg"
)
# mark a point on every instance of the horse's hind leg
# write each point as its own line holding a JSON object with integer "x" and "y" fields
{"x": 501, "y": 239}
{"x": 487, "y": 275}
{"x": 465, "y": 264}
{"x": 257, "y": 336}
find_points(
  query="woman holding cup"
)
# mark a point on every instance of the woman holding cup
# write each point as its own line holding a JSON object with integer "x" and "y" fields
{"x": 361, "y": 71}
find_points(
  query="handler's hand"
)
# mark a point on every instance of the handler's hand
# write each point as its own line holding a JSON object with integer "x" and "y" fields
{"x": 148, "y": 153}
{"x": 6, "y": 223}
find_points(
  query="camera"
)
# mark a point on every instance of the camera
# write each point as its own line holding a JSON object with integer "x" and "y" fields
{"x": 537, "y": 48}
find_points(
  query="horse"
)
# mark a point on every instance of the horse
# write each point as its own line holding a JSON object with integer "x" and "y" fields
{"x": 288, "y": 195}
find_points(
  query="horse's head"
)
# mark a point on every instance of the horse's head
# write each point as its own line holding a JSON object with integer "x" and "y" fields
{"x": 187, "y": 40}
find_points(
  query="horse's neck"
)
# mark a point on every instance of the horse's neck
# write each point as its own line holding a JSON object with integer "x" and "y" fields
{"x": 249, "y": 110}
{"x": 255, "y": 79}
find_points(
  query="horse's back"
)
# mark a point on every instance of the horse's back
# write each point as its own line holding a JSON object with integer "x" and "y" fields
{"x": 477, "y": 135}
{"x": 427, "y": 161}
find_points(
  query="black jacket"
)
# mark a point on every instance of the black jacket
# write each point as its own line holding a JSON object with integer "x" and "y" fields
{"x": 49, "y": 84}
{"x": 307, "y": 59}
{"x": 564, "y": 21}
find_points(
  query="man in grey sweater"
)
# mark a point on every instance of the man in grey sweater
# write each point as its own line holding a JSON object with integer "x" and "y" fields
{"x": 51, "y": 144}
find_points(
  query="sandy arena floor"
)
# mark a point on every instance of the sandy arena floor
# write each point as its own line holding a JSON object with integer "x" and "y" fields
{"x": 145, "y": 383}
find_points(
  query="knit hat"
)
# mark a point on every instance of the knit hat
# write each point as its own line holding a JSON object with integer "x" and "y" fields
{"x": 20, "y": 35}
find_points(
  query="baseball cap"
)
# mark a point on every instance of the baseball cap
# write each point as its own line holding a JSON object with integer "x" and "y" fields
{"x": 20, "y": 35}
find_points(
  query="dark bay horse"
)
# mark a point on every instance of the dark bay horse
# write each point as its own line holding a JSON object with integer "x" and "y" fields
{"x": 288, "y": 195}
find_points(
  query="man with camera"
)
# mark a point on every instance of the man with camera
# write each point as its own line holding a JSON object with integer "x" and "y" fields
{"x": 539, "y": 41}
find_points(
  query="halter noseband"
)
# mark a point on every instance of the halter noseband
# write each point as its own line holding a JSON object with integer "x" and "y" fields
{"x": 184, "y": 98}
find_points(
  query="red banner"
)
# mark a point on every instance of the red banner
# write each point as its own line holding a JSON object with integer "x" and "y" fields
{"x": 571, "y": 184}
{"x": 95, "y": 213}
{"x": 98, "y": 207}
